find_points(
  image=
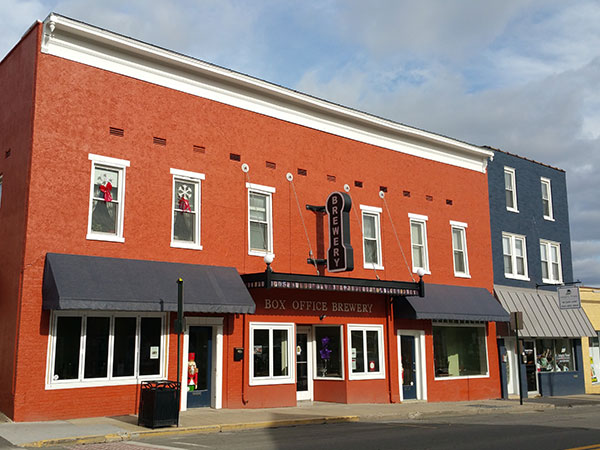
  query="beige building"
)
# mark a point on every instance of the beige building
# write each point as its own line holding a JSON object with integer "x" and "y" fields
{"x": 590, "y": 301}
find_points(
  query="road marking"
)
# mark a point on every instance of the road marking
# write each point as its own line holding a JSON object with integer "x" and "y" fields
{"x": 587, "y": 447}
{"x": 194, "y": 444}
{"x": 145, "y": 445}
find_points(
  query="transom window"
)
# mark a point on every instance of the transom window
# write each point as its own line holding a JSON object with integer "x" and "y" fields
{"x": 107, "y": 197}
{"x": 371, "y": 237}
{"x": 260, "y": 219}
{"x": 418, "y": 238}
{"x": 510, "y": 189}
{"x": 547, "y": 199}
{"x": 459, "y": 248}
{"x": 459, "y": 350}
{"x": 186, "y": 209}
{"x": 551, "y": 266}
{"x": 366, "y": 351}
{"x": 272, "y": 359}
{"x": 105, "y": 349}
{"x": 515, "y": 256}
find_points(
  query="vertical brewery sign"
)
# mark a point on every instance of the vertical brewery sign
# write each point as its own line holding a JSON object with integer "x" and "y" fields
{"x": 340, "y": 256}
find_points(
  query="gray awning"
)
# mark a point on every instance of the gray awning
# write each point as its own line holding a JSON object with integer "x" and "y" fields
{"x": 96, "y": 283}
{"x": 444, "y": 302}
{"x": 542, "y": 316}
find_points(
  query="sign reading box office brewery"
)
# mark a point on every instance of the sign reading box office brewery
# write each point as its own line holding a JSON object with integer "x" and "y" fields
{"x": 340, "y": 256}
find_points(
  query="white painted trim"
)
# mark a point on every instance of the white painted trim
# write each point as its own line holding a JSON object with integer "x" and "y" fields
{"x": 463, "y": 227}
{"x": 290, "y": 378}
{"x": 371, "y": 209}
{"x": 216, "y": 323}
{"x": 548, "y": 182}
{"x": 420, "y": 358}
{"x": 376, "y": 213}
{"x": 418, "y": 217}
{"x": 268, "y": 192}
{"x": 380, "y": 374}
{"x": 454, "y": 223}
{"x": 260, "y": 187}
{"x": 342, "y": 359}
{"x": 513, "y": 175}
{"x": 196, "y": 179}
{"x": 549, "y": 244}
{"x": 187, "y": 174}
{"x": 100, "y": 159}
{"x": 310, "y": 347}
{"x": 421, "y": 220}
{"x": 83, "y": 43}
{"x": 512, "y": 237}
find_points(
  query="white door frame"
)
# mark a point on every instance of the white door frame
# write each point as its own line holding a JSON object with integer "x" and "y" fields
{"x": 512, "y": 385}
{"x": 420, "y": 366}
{"x": 308, "y": 395}
{"x": 216, "y": 397}
{"x": 537, "y": 378}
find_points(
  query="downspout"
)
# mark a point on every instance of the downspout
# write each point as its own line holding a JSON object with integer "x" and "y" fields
{"x": 244, "y": 401}
{"x": 390, "y": 331}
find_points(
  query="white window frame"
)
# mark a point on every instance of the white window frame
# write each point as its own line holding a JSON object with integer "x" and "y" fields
{"x": 290, "y": 378}
{"x": 375, "y": 212}
{"x": 485, "y": 344}
{"x": 380, "y": 344}
{"x": 119, "y": 165}
{"x": 548, "y": 183}
{"x": 196, "y": 179}
{"x": 267, "y": 191}
{"x": 512, "y": 238}
{"x": 513, "y": 175}
{"x": 81, "y": 382}
{"x": 549, "y": 245}
{"x": 422, "y": 221}
{"x": 463, "y": 229}
{"x": 316, "y": 353}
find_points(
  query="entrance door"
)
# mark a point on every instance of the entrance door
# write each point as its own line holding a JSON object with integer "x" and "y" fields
{"x": 304, "y": 380}
{"x": 512, "y": 367}
{"x": 200, "y": 359}
{"x": 530, "y": 368}
{"x": 409, "y": 367}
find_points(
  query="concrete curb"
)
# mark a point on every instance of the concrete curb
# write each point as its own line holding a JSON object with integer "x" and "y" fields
{"x": 126, "y": 436}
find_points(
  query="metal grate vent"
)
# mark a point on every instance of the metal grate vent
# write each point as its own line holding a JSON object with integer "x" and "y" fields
{"x": 120, "y": 132}
{"x": 358, "y": 184}
{"x": 7, "y": 153}
{"x": 199, "y": 149}
{"x": 331, "y": 178}
{"x": 383, "y": 188}
{"x": 159, "y": 141}
{"x": 270, "y": 165}
{"x": 406, "y": 193}
{"x": 235, "y": 157}
{"x": 448, "y": 202}
{"x": 302, "y": 172}
{"x": 429, "y": 198}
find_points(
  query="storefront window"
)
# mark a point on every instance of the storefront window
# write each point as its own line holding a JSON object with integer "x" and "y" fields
{"x": 595, "y": 358}
{"x": 329, "y": 354}
{"x": 459, "y": 351}
{"x": 271, "y": 349}
{"x": 554, "y": 355}
{"x": 109, "y": 353}
{"x": 366, "y": 351}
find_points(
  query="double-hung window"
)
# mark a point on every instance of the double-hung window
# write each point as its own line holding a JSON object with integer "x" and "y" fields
{"x": 105, "y": 348}
{"x": 418, "y": 239}
{"x": 186, "y": 209}
{"x": 107, "y": 198}
{"x": 459, "y": 249}
{"x": 260, "y": 219}
{"x": 365, "y": 347}
{"x": 547, "y": 199}
{"x": 551, "y": 266}
{"x": 515, "y": 256}
{"x": 510, "y": 189}
{"x": 371, "y": 237}
{"x": 272, "y": 359}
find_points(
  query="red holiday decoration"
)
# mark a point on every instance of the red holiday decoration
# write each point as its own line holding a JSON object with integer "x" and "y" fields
{"x": 184, "y": 204}
{"x": 105, "y": 189}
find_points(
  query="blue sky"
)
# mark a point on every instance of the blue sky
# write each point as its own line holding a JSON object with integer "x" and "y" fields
{"x": 521, "y": 76}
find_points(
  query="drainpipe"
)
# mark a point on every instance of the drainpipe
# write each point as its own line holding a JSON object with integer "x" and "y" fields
{"x": 244, "y": 401}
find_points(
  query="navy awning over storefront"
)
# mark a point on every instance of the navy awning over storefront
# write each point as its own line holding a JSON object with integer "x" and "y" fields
{"x": 97, "y": 283}
{"x": 444, "y": 302}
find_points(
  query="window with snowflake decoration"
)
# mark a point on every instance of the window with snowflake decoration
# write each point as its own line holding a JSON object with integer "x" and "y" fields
{"x": 107, "y": 198}
{"x": 186, "y": 209}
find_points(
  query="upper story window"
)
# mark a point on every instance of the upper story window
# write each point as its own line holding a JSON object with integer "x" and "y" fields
{"x": 515, "y": 256}
{"x": 551, "y": 265}
{"x": 107, "y": 198}
{"x": 260, "y": 219}
{"x": 418, "y": 239}
{"x": 510, "y": 189}
{"x": 547, "y": 199}
{"x": 371, "y": 237}
{"x": 186, "y": 209}
{"x": 459, "y": 249}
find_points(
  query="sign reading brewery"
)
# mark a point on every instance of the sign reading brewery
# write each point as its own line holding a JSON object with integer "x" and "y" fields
{"x": 340, "y": 256}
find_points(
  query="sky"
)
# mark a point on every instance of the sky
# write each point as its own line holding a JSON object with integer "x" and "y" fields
{"x": 519, "y": 75}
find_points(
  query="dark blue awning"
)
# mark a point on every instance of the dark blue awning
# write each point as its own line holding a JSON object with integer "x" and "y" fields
{"x": 445, "y": 302}
{"x": 97, "y": 283}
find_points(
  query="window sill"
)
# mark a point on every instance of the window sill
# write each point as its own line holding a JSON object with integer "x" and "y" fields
{"x": 371, "y": 266}
{"x": 367, "y": 376}
{"x": 268, "y": 381}
{"x": 516, "y": 277}
{"x": 545, "y": 281}
{"x": 513, "y": 210}
{"x": 549, "y": 219}
{"x": 175, "y": 244}
{"x": 261, "y": 253}
{"x": 107, "y": 238}
{"x": 426, "y": 271}
{"x": 329, "y": 378}
{"x": 466, "y": 377}
{"x": 100, "y": 383}
{"x": 462, "y": 275}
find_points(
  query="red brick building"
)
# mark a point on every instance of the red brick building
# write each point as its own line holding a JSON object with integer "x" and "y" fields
{"x": 125, "y": 166}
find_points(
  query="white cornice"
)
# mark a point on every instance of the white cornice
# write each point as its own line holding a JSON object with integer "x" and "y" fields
{"x": 77, "y": 41}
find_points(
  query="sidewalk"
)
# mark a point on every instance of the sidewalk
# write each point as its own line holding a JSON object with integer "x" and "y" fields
{"x": 206, "y": 420}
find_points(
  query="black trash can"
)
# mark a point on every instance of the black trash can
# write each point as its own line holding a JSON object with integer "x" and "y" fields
{"x": 159, "y": 404}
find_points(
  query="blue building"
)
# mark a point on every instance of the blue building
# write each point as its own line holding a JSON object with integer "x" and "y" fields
{"x": 531, "y": 252}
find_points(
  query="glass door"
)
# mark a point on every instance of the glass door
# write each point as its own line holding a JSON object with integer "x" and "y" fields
{"x": 530, "y": 367}
{"x": 409, "y": 367}
{"x": 304, "y": 380}
{"x": 199, "y": 367}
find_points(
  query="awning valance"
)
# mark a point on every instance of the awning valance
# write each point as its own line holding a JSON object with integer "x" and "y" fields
{"x": 445, "y": 302}
{"x": 542, "y": 316}
{"x": 97, "y": 283}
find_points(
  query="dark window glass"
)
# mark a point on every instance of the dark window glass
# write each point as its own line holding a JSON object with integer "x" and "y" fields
{"x": 373, "y": 351}
{"x": 261, "y": 353}
{"x": 96, "y": 347}
{"x": 281, "y": 358}
{"x": 105, "y": 203}
{"x": 459, "y": 351}
{"x": 358, "y": 351}
{"x": 124, "y": 351}
{"x": 68, "y": 335}
{"x": 150, "y": 345}
{"x": 329, "y": 354}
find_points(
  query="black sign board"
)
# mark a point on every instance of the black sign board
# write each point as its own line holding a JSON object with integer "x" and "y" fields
{"x": 340, "y": 256}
